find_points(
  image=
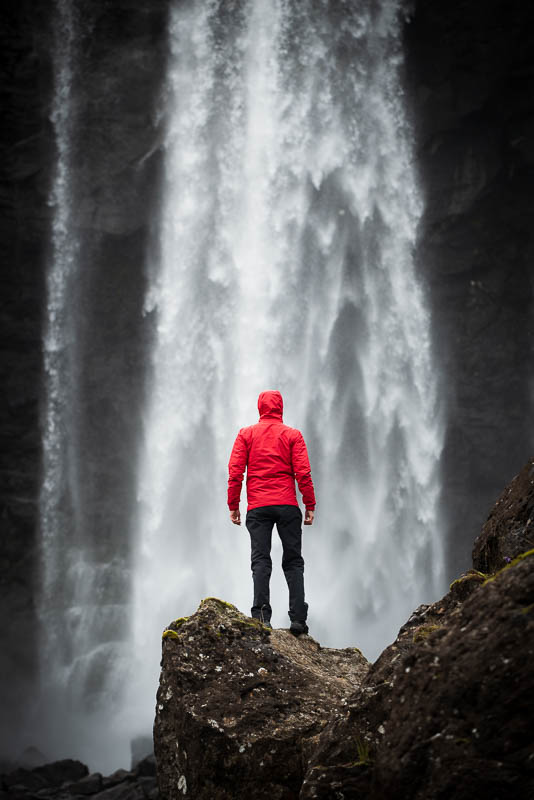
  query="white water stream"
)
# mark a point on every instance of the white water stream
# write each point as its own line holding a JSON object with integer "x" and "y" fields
{"x": 284, "y": 260}
{"x": 81, "y": 606}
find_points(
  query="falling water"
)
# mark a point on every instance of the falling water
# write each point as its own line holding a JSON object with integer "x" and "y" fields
{"x": 58, "y": 499}
{"x": 81, "y": 623}
{"x": 285, "y": 260}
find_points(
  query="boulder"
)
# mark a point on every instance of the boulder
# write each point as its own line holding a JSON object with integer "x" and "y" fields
{"x": 239, "y": 707}
{"x": 444, "y": 712}
{"x": 46, "y": 776}
{"x": 509, "y": 529}
{"x": 66, "y": 780}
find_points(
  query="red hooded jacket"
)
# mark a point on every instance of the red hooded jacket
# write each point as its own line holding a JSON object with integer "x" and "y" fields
{"x": 273, "y": 455}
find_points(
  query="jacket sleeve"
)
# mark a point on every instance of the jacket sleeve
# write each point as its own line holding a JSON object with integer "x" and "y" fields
{"x": 301, "y": 468}
{"x": 236, "y": 470}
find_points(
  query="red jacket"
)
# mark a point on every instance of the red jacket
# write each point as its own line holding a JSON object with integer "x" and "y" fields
{"x": 273, "y": 455}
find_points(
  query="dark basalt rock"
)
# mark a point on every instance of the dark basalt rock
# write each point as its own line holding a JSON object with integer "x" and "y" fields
{"x": 460, "y": 723}
{"x": 68, "y": 779}
{"x": 445, "y": 710}
{"x": 45, "y": 777}
{"x": 509, "y": 529}
{"x": 239, "y": 707}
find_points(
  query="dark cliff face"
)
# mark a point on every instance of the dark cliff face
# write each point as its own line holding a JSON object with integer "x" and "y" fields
{"x": 471, "y": 71}
{"x": 27, "y": 151}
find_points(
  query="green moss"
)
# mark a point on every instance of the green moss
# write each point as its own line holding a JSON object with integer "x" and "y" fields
{"x": 527, "y": 609}
{"x": 357, "y": 650}
{"x": 179, "y": 622}
{"x": 424, "y": 632}
{"x": 221, "y": 603}
{"x": 168, "y": 634}
{"x": 513, "y": 563}
{"x": 255, "y": 624}
{"x": 472, "y": 575}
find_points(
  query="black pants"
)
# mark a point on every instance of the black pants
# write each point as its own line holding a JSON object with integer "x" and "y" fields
{"x": 288, "y": 521}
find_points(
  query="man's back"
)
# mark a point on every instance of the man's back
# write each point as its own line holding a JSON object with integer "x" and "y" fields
{"x": 274, "y": 455}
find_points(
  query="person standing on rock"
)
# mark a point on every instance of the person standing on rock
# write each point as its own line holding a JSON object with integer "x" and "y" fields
{"x": 274, "y": 455}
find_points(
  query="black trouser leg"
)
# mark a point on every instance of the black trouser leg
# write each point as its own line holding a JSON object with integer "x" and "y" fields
{"x": 289, "y": 524}
{"x": 260, "y": 526}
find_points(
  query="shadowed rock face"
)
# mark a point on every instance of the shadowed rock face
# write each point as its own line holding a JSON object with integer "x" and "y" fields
{"x": 66, "y": 779}
{"x": 472, "y": 94}
{"x": 509, "y": 529}
{"x": 239, "y": 706}
{"x": 444, "y": 712}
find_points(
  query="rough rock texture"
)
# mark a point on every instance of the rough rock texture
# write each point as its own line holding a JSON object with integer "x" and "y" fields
{"x": 471, "y": 70}
{"x": 509, "y": 529}
{"x": 70, "y": 780}
{"x": 25, "y": 150}
{"x": 445, "y": 711}
{"x": 239, "y": 707}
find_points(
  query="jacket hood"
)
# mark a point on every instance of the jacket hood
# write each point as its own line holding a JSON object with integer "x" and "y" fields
{"x": 270, "y": 404}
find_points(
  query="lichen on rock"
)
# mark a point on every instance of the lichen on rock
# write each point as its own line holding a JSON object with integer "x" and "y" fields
{"x": 240, "y": 706}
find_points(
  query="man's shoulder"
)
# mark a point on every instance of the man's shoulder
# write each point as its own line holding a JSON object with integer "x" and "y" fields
{"x": 293, "y": 433}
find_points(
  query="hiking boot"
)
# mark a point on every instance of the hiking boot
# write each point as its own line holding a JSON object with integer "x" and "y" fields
{"x": 265, "y": 622}
{"x": 297, "y": 628}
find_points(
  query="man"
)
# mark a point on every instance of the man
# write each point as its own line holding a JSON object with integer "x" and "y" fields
{"x": 273, "y": 455}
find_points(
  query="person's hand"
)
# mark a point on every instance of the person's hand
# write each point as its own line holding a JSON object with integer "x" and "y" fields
{"x": 235, "y": 516}
{"x": 308, "y": 517}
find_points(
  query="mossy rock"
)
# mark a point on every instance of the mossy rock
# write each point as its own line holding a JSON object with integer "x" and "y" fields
{"x": 169, "y": 634}
{"x": 463, "y": 586}
{"x": 513, "y": 563}
{"x": 422, "y": 633}
{"x": 222, "y": 604}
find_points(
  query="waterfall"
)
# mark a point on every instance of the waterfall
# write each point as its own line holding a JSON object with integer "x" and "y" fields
{"x": 59, "y": 504}
{"x": 284, "y": 260}
{"x": 81, "y": 610}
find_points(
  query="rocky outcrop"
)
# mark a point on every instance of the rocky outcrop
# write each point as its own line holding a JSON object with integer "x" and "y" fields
{"x": 509, "y": 529}
{"x": 239, "y": 706}
{"x": 445, "y": 711}
{"x": 70, "y": 780}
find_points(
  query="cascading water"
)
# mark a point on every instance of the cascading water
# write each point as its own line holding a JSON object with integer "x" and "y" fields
{"x": 285, "y": 260}
{"x": 81, "y": 607}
